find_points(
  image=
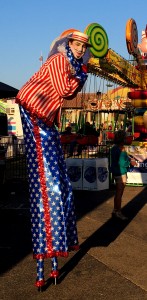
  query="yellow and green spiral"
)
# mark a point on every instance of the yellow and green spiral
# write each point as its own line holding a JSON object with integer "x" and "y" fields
{"x": 98, "y": 39}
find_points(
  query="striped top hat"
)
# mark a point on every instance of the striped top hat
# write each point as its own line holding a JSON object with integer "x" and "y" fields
{"x": 80, "y": 36}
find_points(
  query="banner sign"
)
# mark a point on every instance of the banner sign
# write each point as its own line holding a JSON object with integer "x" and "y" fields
{"x": 138, "y": 173}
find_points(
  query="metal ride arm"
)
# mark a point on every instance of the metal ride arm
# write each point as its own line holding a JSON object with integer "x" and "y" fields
{"x": 116, "y": 69}
{"x": 108, "y": 64}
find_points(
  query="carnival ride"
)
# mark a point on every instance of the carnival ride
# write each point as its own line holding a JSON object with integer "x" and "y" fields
{"x": 104, "y": 63}
{"x": 107, "y": 64}
{"x": 127, "y": 73}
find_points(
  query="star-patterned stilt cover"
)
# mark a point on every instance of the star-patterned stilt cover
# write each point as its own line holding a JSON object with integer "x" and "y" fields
{"x": 53, "y": 220}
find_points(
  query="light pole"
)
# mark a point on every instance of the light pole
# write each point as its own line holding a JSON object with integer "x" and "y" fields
{"x": 41, "y": 59}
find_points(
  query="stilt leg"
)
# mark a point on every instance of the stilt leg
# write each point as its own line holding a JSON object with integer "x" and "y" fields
{"x": 40, "y": 282}
{"x": 55, "y": 272}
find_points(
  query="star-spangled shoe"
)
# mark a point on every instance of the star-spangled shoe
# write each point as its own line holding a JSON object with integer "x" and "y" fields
{"x": 40, "y": 284}
{"x": 54, "y": 274}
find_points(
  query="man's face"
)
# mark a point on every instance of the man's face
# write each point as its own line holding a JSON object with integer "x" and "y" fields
{"x": 78, "y": 48}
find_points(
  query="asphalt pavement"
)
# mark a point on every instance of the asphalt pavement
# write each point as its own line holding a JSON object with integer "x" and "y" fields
{"x": 111, "y": 263}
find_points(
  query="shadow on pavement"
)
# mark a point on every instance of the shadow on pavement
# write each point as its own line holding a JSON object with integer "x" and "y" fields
{"x": 106, "y": 234}
{"x": 15, "y": 233}
{"x": 15, "y": 242}
{"x": 86, "y": 200}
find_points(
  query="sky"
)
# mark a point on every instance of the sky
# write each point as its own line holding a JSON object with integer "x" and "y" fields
{"x": 28, "y": 27}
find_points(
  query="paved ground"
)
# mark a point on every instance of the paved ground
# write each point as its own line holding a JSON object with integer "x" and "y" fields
{"x": 111, "y": 263}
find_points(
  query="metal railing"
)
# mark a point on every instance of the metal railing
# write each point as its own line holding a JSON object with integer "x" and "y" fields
{"x": 87, "y": 151}
{"x": 13, "y": 159}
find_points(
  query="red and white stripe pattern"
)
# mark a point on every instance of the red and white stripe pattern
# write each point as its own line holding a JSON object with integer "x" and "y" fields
{"x": 79, "y": 36}
{"x": 43, "y": 94}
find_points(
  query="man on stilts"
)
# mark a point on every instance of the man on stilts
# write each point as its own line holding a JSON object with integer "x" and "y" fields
{"x": 53, "y": 220}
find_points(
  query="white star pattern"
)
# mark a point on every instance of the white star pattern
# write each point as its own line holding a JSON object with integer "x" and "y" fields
{"x": 53, "y": 221}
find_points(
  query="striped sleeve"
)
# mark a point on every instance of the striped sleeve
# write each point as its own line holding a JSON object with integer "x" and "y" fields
{"x": 60, "y": 76}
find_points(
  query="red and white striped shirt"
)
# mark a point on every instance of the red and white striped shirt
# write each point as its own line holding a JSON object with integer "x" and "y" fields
{"x": 43, "y": 94}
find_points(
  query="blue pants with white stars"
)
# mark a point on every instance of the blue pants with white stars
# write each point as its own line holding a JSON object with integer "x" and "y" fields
{"x": 53, "y": 220}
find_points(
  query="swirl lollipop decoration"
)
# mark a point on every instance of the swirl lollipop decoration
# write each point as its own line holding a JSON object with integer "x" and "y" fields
{"x": 67, "y": 32}
{"x": 132, "y": 37}
{"x": 98, "y": 39}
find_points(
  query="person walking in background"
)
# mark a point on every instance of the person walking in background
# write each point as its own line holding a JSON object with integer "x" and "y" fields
{"x": 62, "y": 76}
{"x": 119, "y": 164}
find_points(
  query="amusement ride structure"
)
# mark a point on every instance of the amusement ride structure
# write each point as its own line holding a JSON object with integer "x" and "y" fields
{"x": 105, "y": 63}
{"x": 132, "y": 73}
